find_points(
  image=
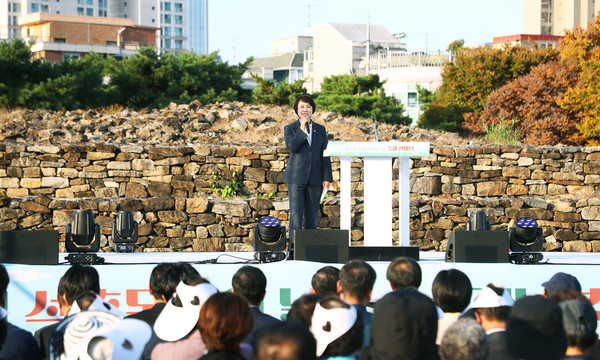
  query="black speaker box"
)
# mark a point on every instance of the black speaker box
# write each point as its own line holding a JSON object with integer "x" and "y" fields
{"x": 33, "y": 247}
{"x": 327, "y": 246}
{"x": 478, "y": 246}
{"x": 382, "y": 253}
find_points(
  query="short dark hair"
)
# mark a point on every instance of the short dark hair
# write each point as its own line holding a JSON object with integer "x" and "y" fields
{"x": 352, "y": 340}
{"x": 499, "y": 313}
{"x": 324, "y": 281}
{"x": 158, "y": 283}
{"x": 357, "y": 278}
{"x": 78, "y": 279}
{"x": 225, "y": 320}
{"x": 306, "y": 99}
{"x": 404, "y": 272}
{"x": 251, "y": 283}
{"x": 4, "y": 280}
{"x": 452, "y": 290}
{"x": 285, "y": 341}
{"x": 302, "y": 309}
{"x": 176, "y": 273}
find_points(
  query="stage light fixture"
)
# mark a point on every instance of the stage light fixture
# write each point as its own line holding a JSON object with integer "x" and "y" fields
{"x": 82, "y": 239}
{"x": 478, "y": 222}
{"x": 124, "y": 232}
{"x": 526, "y": 241}
{"x": 269, "y": 240}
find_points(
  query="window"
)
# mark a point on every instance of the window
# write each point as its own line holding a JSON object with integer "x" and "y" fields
{"x": 167, "y": 6}
{"x": 80, "y": 2}
{"x": 412, "y": 100}
{"x": 167, "y": 31}
{"x": 45, "y": 8}
{"x": 15, "y": 21}
{"x": 178, "y": 31}
{"x": 154, "y": 7}
{"x": 35, "y": 8}
{"x": 167, "y": 43}
{"x": 167, "y": 19}
{"x": 9, "y": 7}
{"x": 16, "y": 7}
{"x": 100, "y": 3}
{"x": 89, "y": 12}
{"x": 178, "y": 44}
{"x": 111, "y": 43}
{"x": 79, "y": 11}
{"x": 178, "y": 19}
{"x": 60, "y": 40}
{"x": 89, "y": 2}
{"x": 153, "y": 20}
{"x": 178, "y": 7}
{"x": 67, "y": 57}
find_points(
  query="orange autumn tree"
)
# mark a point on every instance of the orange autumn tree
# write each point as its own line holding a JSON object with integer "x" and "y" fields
{"x": 581, "y": 52}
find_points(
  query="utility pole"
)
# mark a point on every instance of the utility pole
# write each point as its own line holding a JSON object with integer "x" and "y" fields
{"x": 368, "y": 47}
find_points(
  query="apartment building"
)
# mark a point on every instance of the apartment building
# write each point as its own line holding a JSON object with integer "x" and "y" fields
{"x": 553, "y": 17}
{"x": 183, "y": 23}
{"x": 57, "y": 37}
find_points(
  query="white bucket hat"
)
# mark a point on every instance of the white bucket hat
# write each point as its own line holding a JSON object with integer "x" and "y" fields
{"x": 122, "y": 340}
{"x": 329, "y": 324}
{"x": 180, "y": 315}
{"x": 492, "y": 296}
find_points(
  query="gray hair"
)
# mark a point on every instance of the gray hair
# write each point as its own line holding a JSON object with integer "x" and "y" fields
{"x": 464, "y": 340}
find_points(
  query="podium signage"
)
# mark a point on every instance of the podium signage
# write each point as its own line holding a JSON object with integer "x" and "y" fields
{"x": 378, "y": 180}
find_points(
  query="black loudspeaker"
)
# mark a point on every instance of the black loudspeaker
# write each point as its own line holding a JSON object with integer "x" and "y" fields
{"x": 478, "y": 246}
{"x": 32, "y": 247}
{"x": 327, "y": 246}
{"x": 382, "y": 253}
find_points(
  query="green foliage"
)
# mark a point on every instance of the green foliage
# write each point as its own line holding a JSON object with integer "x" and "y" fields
{"x": 504, "y": 132}
{"x": 145, "y": 80}
{"x": 361, "y": 96}
{"x": 456, "y": 45}
{"x": 269, "y": 93}
{"x": 477, "y": 72}
{"x": 229, "y": 190}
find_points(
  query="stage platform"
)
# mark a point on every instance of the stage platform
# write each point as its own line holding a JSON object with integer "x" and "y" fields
{"x": 124, "y": 278}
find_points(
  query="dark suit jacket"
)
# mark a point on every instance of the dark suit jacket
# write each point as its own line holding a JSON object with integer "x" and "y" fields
{"x": 261, "y": 320}
{"x": 306, "y": 164}
{"x": 498, "y": 350}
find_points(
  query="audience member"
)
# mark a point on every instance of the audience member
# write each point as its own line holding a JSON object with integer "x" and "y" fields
{"x": 580, "y": 322}
{"x": 225, "y": 320}
{"x": 451, "y": 290}
{"x": 161, "y": 291}
{"x": 302, "y": 309}
{"x": 355, "y": 287}
{"x": 491, "y": 309}
{"x": 338, "y": 329}
{"x": 535, "y": 330}
{"x": 178, "y": 322}
{"x": 464, "y": 340}
{"x": 164, "y": 279}
{"x": 285, "y": 341}
{"x": 18, "y": 343}
{"x": 560, "y": 281}
{"x": 76, "y": 280}
{"x": 404, "y": 272}
{"x": 324, "y": 281}
{"x": 251, "y": 283}
{"x": 403, "y": 327}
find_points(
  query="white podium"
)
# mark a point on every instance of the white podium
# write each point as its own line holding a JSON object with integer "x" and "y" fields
{"x": 378, "y": 192}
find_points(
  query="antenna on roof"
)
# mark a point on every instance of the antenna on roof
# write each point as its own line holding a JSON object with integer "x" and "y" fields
{"x": 308, "y": 28}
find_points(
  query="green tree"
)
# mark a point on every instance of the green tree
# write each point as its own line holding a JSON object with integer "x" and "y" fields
{"x": 475, "y": 73}
{"x": 269, "y": 93}
{"x": 361, "y": 96}
{"x": 456, "y": 45}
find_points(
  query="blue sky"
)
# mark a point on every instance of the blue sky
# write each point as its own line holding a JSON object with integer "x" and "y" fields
{"x": 241, "y": 28}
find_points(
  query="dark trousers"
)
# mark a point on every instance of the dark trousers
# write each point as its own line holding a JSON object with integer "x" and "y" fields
{"x": 304, "y": 204}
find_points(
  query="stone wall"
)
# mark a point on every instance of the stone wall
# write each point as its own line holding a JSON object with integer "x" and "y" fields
{"x": 171, "y": 191}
